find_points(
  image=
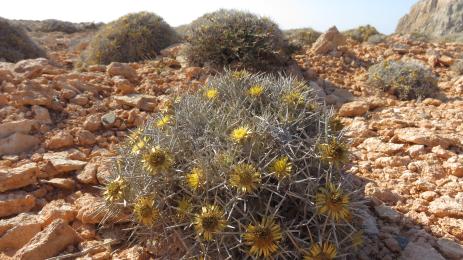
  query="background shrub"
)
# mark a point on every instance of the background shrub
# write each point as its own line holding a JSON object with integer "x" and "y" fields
{"x": 235, "y": 39}
{"x": 15, "y": 44}
{"x": 406, "y": 80}
{"x": 52, "y": 25}
{"x": 298, "y": 38}
{"x": 131, "y": 38}
{"x": 362, "y": 33}
{"x": 247, "y": 158}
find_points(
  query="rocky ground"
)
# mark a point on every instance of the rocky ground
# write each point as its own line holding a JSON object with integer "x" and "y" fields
{"x": 60, "y": 126}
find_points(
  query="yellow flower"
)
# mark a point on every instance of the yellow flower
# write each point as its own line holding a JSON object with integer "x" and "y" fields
{"x": 240, "y": 74}
{"x": 135, "y": 135}
{"x": 196, "y": 178}
{"x": 323, "y": 251}
{"x": 210, "y": 221}
{"x": 157, "y": 160}
{"x": 184, "y": 208}
{"x": 263, "y": 238}
{"x": 334, "y": 152}
{"x": 357, "y": 239}
{"x": 163, "y": 121}
{"x": 211, "y": 93}
{"x": 139, "y": 144}
{"x": 281, "y": 167}
{"x": 145, "y": 211}
{"x": 255, "y": 91}
{"x": 239, "y": 134}
{"x": 293, "y": 99}
{"x": 245, "y": 177}
{"x": 332, "y": 202}
{"x": 115, "y": 190}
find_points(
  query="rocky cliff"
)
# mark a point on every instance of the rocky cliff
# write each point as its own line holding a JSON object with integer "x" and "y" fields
{"x": 434, "y": 18}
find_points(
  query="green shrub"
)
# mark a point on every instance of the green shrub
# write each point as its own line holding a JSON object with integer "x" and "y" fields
{"x": 299, "y": 38}
{"x": 52, "y": 25}
{"x": 362, "y": 33}
{"x": 457, "y": 67}
{"x": 376, "y": 39}
{"x": 15, "y": 44}
{"x": 131, "y": 38}
{"x": 235, "y": 39}
{"x": 246, "y": 159}
{"x": 406, "y": 80}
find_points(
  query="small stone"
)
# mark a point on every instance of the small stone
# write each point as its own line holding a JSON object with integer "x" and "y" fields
{"x": 140, "y": 101}
{"x": 134, "y": 253}
{"x": 41, "y": 115}
{"x": 88, "y": 174}
{"x": 63, "y": 165}
{"x": 60, "y": 140}
{"x": 122, "y": 69}
{"x": 80, "y": 100}
{"x": 57, "y": 209}
{"x": 15, "y": 202}
{"x": 49, "y": 242}
{"x": 61, "y": 183}
{"x": 123, "y": 86}
{"x": 91, "y": 210}
{"x": 92, "y": 123}
{"x": 328, "y": 41}
{"x": 352, "y": 109}
{"x": 424, "y": 137}
{"x": 415, "y": 150}
{"x": 108, "y": 119}
{"x": 85, "y": 137}
{"x": 446, "y": 206}
{"x": 387, "y": 213}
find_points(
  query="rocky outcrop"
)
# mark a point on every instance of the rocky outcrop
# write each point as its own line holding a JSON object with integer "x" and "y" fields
{"x": 433, "y": 18}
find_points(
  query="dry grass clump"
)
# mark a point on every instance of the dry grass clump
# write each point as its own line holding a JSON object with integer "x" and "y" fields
{"x": 238, "y": 40}
{"x": 406, "y": 80}
{"x": 250, "y": 165}
{"x": 131, "y": 38}
{"x": 15, "y": 44}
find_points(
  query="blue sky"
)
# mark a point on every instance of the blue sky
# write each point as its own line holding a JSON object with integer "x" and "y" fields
{"x": 319, "y": 14}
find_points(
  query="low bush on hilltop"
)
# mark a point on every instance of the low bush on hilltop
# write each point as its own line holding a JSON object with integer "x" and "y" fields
{"x": 299, "y": 38}
{"x": 250, "y": 165}
{"x": 235, "y": 39}
{"x": 406, "y": 80}
{"x": 15, "y": 44}
{"x": 362, "y": 33}
{"x": 131, "y": 38}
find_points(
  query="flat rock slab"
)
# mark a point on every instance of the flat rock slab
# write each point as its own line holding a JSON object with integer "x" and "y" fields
{"x": 49, "y": 242}
{"x": 21, "y": 126}
{"x": 18, "y": 177}
{"x": 66, "y": 165}
{"x": 425, "y": 137}
{"x": 15, "y": 202}
{"x": 140, "y": 101}
{"x": 18, "y": 143}
{"x": 16, "y": 232}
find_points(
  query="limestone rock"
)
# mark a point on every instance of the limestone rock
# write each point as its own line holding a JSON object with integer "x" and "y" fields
{"x": 419, "y": 251}
{"x": 355, "y": 108}
{"x": 328, "y": 41}
{"x": 88, "y": 174}
{"x": 41, "y": 115}
{"x": 57, "y": 209}
{"x": 433, "y": 17}
{"x": 140, "y": 101}
{"x": 18, "y": 143}
{"x": 123, "y": 85}
{"x": 446, "y": 206}
{"x": 92, "y": 123}
{"x": 424, "y": 137}
{"x": 50, "y": 242}
{"x": 18, "y": 177}
{"x": 15, "y": 202}
{"x": 21, "y": 126}
{"x": 122, "y": 69}
{"x": 450, "y": 249}
{"x": 60, "y": 140}
{"x": 16, "y": 232}
{"x": 63, "y": 165}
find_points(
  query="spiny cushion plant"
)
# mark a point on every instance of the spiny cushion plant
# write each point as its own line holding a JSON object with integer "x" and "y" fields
{"x": 362, "y": 33}
{"x": 15, "y": 44}
{"x": 235, "y": 39}
{"x": 405, "y": 79}
{"x": 131, "y": 38}
{"x": 250, "y": 165}
{"x": 298, "y": 38}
